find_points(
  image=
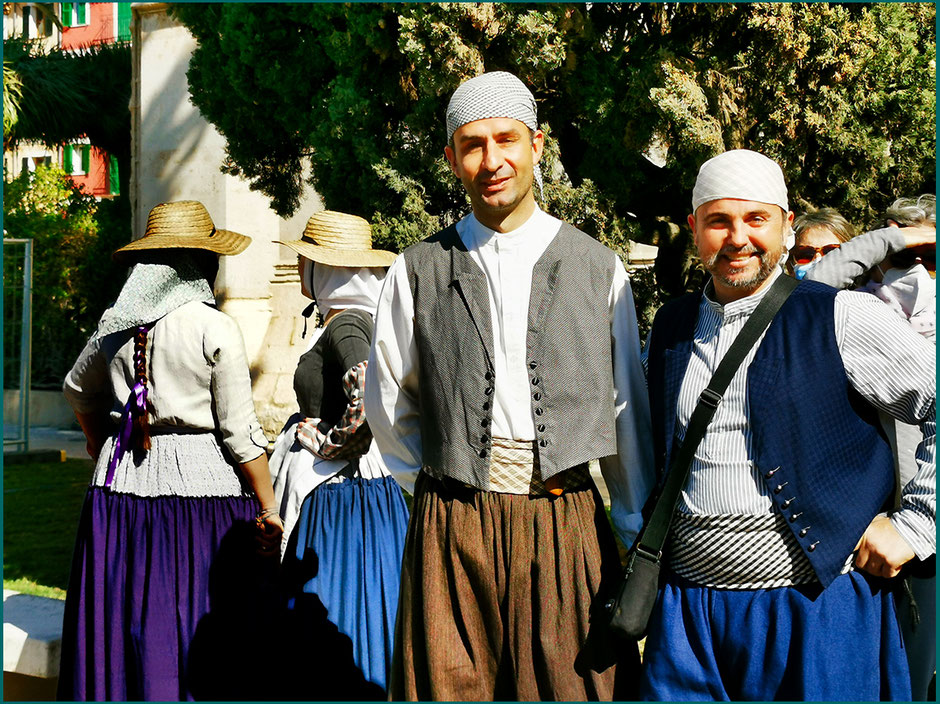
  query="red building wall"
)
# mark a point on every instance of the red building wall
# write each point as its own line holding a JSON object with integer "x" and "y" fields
{"x": 99, "y": 30}
{"x": 96, "y": 181}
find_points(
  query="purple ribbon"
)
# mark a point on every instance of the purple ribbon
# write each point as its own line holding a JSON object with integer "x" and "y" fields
{"x": 136, "y": 406}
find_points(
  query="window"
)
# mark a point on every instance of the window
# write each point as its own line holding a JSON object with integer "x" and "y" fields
{"x": 114, "y": 177}
{"x": 123, "y": 21}
{"x": 74, "y": 14}
{"x": 76, "y": 159}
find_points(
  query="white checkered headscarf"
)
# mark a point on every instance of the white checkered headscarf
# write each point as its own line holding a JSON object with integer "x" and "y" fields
{"x": 495, "y": 94}
{"x": 743, "y": 175}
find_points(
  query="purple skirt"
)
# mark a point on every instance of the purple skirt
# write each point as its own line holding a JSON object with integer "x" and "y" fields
{"x": 165, "y": 595}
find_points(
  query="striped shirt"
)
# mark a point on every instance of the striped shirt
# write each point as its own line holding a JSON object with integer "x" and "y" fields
{"x": 888, "y": 364}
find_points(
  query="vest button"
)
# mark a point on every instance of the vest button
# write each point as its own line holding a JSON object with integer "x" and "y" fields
{"x": 541, "y": 427}
{"x": 538, "y": 411}
{"x": 771, "y": 472}
{"x": 787, "y": 503}
{"x": 485, "y": 422}
{"x": 537, "y": 396}
{"x": 543, "y": 442}
{"x": 486, "y": 405}
{"x": 488, "y": 390}
{"x": 813, "y": 546}
{"x": 484, "y": 437}
{"x": 535, "y": 381}
{"x": 533, "y": 365}
{"x": 488, "y": 376}
{"x": 779, "y": 487}
{"x": 795, "y": 516}
{"x": 483, "y": 453}
{"x": 804, "y": 531}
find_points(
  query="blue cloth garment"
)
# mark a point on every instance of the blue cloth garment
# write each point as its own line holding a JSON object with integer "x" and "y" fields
{"x": 344, "y": 567}
{"x": 805, "y": 643}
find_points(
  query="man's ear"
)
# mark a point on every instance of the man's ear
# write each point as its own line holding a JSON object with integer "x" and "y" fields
{"x": 538, "y": 145}
{"x": 452, "y": 160}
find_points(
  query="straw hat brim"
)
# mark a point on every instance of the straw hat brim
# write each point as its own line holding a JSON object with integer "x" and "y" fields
{"x": 221, "y": 242}
{"x": 341, "y": 257}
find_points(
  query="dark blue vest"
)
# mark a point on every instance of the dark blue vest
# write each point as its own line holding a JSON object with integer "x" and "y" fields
{"x": 817, "y": 443}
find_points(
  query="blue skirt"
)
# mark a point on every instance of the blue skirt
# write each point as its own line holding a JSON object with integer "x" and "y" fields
{"x": 343, "y": 571}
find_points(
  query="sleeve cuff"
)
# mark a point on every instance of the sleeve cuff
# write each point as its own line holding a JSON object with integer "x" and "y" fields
{"x": 918, "y": 531}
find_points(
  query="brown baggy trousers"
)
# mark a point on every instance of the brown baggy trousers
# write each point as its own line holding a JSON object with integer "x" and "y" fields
{"x": 497, "y": 592}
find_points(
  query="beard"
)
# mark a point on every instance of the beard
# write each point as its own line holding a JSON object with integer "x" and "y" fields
{"x": 768, "y": 260}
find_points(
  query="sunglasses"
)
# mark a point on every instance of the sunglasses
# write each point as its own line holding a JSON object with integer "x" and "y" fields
{"x": 925, "y": 254}
{"x": 804, "y": 254}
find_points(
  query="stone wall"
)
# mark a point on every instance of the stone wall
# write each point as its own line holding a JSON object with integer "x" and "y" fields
{"x": 176, "y": 155}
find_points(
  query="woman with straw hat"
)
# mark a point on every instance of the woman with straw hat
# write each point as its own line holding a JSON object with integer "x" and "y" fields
{"x": 345, "y": 516}
{"x": 163, "y": 394}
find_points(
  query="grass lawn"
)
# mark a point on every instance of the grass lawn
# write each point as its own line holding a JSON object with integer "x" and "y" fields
{"x": 41, "y": 505}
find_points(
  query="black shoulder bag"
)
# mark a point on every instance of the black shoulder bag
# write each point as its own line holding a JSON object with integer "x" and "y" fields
{"x": 629, "y": 611}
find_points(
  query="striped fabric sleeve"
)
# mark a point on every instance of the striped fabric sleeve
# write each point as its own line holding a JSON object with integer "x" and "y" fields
{"x": 894, "y": 368}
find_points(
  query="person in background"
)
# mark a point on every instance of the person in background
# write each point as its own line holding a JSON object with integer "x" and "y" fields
{"x": 345, "y": 515}
{"x": 815, "y": 234}
{"x": 896, "y": 262}
{"x": 899, "y": 259}
{"x": 163, "y": 395}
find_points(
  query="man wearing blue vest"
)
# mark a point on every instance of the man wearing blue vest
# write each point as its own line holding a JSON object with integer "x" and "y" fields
{"x": 505, "y": 358}
{"x": 780, "y": 546}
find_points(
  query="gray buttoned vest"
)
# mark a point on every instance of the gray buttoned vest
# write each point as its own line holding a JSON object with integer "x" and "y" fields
{"x": 568, "y": 346}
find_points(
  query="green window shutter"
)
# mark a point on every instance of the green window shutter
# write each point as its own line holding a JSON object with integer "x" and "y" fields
{"x": 67, "y": 158}
{"x": 66, "y": 14}
{"x": 114, "y": 178}
{"x": 86, "y": 158}
{"x": 81, "y": 10}
{"x": 124, "y": 22}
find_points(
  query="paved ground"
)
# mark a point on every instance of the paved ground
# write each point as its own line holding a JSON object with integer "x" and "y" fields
{"x": 44, "y": 438}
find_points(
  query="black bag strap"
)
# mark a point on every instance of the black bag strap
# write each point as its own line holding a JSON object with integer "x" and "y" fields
{"x": 653, "y": 536}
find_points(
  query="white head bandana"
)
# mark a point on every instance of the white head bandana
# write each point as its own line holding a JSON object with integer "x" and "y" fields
{"x": 339, "y": 287}
{"x": 743, "y": 175}
{"x": 495, "y": 94}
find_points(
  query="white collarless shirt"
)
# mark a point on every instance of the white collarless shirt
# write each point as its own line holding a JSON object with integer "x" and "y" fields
{"x": 507, "y": 260}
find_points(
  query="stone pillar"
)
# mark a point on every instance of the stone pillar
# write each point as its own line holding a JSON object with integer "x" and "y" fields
{"x": 176, "y": 155}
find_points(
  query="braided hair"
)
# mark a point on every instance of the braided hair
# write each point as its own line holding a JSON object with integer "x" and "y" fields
{"x": 140, "y": 432}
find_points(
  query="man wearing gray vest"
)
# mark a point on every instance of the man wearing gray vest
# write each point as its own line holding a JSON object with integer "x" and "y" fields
{"x": 505, "y": 358}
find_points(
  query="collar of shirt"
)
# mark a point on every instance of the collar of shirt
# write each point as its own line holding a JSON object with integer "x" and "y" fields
{"x": 741, "y": 307}
{"x": 540, "y": 228}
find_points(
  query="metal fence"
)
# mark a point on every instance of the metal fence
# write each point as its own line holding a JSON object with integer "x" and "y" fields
{"x": 17, "y": 337}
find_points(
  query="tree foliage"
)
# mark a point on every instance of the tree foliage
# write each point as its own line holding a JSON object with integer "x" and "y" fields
{"x": 74, "y": 279}
{"x": 55, "y": 96}
{"x": 633, "y": 97}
